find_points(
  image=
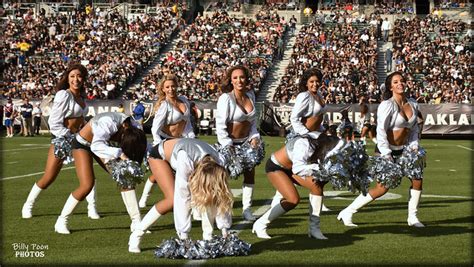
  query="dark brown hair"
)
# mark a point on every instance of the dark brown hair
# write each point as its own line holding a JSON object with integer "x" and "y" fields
{"x": 63, "y": 83}
{"x": 388, "y": 84}
{"x": 321, "y": 146}
{"x": 308, "y": 74}
{"x": 226, "y": 85}
{"x": 133, "y": 141}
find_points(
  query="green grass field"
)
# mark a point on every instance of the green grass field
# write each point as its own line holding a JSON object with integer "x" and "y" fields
{"x": 382, "y": 238}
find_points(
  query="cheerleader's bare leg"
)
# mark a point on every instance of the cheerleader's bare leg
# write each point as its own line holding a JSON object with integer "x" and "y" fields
{"x": 51, "y": 171}
{"x": 85, "y": 174}
{"x": 166, "y": 184}
{"x": 346, "y": 214}
{"x": 291, "y": 198}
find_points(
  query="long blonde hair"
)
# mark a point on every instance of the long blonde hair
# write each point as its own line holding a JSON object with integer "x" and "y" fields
{"x": 209, "y": 187}
{"x": 159, "y": 90}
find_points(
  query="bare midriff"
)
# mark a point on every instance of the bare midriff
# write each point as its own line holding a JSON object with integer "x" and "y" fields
{"x": 398, "y": 137}
{"x": 168, "y": 148}
{"x": 174, "y": 130}
{"x": 74, "y": 124}
{"x": 238, "y": 130}
{"x": 86, "y": 132}
{"x": 282, "y": 157}
{"x": 313, "y": 123}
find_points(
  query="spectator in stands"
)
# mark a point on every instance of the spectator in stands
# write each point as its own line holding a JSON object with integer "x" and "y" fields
{"x": 236, "y": 124}
{"x": 172, "y": 120}
{"x": 386, "y": 27}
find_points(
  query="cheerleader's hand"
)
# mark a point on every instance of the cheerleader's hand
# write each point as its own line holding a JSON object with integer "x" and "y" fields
{"x": 388, "y": 157}
{"x": 123, "y": 156}
{"x": 182, "y": 236}
{"x": 225, "y": 232}
{"x": 254, "y": 142}
{"x": 413, "y": 148}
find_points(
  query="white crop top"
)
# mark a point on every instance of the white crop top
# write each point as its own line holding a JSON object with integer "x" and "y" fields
{"x": 64, "y": 107}
{"x": 167, "y": 114}
{"x": 229, "y": 111}
{"x": 389, "y": 118}
{"x": 305, "y": 106}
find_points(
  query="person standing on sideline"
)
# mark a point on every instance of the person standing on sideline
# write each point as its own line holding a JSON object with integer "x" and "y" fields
{"x": 388, "y": 59}
{"x": 139, "y": 113}
{"x": 66, "y": 118}
{"x": 37, "y": 118}
{"x": 27, "y": 117}
{"x": 8, "y": 114}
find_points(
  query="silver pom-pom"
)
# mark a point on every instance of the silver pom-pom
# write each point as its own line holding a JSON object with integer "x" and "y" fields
{"x": 63, "y": 148}
{"x": 251, "y": 156}
{"x": 218, "y": 246}
{"x": 127, "y": 173}
{"x": 345, "y": 166}
{"x": 386, "y": 172}
{"x": 233, "y": 164}
{"x": 413, "y": 162}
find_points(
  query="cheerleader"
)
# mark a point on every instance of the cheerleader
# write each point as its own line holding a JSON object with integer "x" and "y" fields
{"x": 396, "y": 127}
{"x": 236, "y": 124}
{"x": 66, "y": 118}
{"x": 92, "y": 141}
{"x": 309, "y": 110}
{"x": 294, "y": 164}
{"x": 201, "y": 183}
{"x": 172, "y": 119}
{"x": 365, "y": 126}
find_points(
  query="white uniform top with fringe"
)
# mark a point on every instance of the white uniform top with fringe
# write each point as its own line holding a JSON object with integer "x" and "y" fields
{"x": 229, "y": 111}
{"x": 104, "y": 125}
{"x": 305, "y": 106}
{"x": 167, "y": 114}
{"x": 64, "y": 107}
{"x": 186, "y": 154}
{"x": 389, "y": 118}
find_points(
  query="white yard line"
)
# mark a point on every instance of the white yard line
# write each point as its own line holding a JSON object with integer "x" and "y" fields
{"x": 22, "y": 149}
{"x": 445, "y": 196}
{"x": 470, "y": 149}
{"x": 36, "y": 173}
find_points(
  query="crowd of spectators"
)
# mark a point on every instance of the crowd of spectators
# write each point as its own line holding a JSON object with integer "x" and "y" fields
{"x": 211, "y": 45}
{"x": 234, "y": 6}
{"x": 449, "y": 4}
{"x": 345, "y": 54}
{"x": 36, "y": 49}
{"x": 436, "y": 53}
{"x": 400, "y": 7}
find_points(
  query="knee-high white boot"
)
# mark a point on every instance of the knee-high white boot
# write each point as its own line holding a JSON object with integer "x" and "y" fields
{"x": 346, "y": 214}
{"x": 91, "y": 209}
{"x": 412, "y": 220}
{"x": 315, "y": 204}
{"x": 131, "y": 203}
{"x": 145, "y": 193}
{"x": 276, "y": 198}
{"x": 247, "y": 193}
{"x": 135, "y": 238}
{"x": 30, "y": 201}
{"x": 61, "y": 223}
{"x": 260, "y": 226}
{"x": 207, "y": 223}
